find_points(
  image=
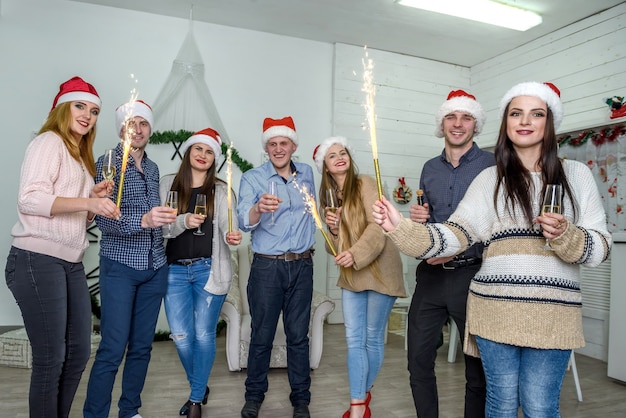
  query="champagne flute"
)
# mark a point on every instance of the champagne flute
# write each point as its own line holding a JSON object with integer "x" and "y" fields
{"x": 551, "y": 204}
{"x": 200, "y": 210}
{"x": 332, "y": 204}
{"x": 171, "y": 202}
{"x": 271, "y": 189}
{"x": 108, "y": 166}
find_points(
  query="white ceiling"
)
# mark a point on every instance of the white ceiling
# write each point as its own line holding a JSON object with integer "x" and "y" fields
{"x": 379, "y": 24}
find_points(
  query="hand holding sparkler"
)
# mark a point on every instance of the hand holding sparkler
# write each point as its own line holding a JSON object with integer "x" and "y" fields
{"x": 385, "y": 214}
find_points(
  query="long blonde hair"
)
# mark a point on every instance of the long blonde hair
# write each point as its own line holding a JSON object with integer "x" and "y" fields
{"x": 352, "y": 209}
{"x": 59, "y": 121}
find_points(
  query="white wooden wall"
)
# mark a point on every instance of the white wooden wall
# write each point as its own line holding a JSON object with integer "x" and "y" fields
{"x": 586, "y": 60}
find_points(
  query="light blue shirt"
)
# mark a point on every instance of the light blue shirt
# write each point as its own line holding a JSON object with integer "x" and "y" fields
{"x": 294, "y": 227}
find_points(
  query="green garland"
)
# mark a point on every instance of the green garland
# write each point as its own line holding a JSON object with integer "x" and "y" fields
{"x": 181, "y": 136}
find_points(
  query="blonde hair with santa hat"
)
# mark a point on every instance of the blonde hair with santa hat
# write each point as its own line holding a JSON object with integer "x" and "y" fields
{"x": 74, "y": 90}
{"x": 206, "y": 136}
{"x": 131, "y": 109}
{"x": 279, "y": 127}
{"x": 60, "y": 118}
{"x": 320, "y": 151}
{"x": 460, "y": 101}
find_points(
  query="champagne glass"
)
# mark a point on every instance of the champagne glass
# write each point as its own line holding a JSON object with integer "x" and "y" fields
{"x": 200, "y": 210}
{"x": 271, "y": 189}
{"x": 108, "y": 166}
{"x": 171, "y": 202}
{"x": 551, "y": 204}
{"x": 332, "y": 203}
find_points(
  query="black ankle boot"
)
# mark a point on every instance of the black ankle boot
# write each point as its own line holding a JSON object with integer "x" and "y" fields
{"x": 195, "y": 410}
{"x": 184, "y": 410}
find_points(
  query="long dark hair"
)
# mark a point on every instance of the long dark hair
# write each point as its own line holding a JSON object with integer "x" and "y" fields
{"x": 183, "y": 181}
{"x": 516, "y": 179}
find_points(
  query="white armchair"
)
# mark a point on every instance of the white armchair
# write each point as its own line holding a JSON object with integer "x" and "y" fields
{"x": 236, "y": 313}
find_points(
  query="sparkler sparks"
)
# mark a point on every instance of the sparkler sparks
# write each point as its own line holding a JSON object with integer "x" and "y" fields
{"x": 370, "y": 92}
{"x": 311, "y": 207}
{"x": 127, "y": 139}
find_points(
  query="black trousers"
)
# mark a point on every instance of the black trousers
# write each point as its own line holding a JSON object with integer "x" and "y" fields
{"x": 440, "y": 293}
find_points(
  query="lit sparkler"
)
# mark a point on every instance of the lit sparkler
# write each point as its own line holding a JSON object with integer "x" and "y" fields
{"x": 127, "y": 140}
{"x": 229, "y": 182}
{"x": 370, "y": 92}
{"x": 311, "y": 207}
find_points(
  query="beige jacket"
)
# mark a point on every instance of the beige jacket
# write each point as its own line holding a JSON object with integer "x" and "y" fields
{"x": 372, "y": 245}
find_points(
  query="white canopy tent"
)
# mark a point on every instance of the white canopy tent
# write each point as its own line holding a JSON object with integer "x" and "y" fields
{"x": 185, "y": 101}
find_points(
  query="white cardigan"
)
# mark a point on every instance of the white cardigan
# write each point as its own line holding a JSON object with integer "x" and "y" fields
{"x": 221, "y": 275}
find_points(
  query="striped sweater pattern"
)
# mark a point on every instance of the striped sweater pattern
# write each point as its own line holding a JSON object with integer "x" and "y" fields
{"x": 522, "y": 295}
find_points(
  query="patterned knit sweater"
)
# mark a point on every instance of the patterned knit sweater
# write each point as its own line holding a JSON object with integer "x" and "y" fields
{"x": 522, "y": 295}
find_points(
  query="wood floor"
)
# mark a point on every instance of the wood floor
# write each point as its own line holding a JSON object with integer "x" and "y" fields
{"x": 166, "y": 388}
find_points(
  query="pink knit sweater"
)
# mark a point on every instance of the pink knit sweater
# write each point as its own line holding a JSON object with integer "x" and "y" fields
{"x": 48, "y": 172}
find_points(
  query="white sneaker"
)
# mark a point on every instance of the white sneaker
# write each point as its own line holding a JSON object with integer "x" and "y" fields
{"x": 136, "y": 416}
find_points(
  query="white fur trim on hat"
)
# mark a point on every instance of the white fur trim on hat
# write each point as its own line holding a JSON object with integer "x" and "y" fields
{"x": 320, "y": 151}
{"x": 208, "y": 137}
{"x": 77, "y": 96}
{"x": 130, "y": 110}
{"x": 540, "y": 90}
{"x": 279, "y": 127}
{"x": 460, "y": 104}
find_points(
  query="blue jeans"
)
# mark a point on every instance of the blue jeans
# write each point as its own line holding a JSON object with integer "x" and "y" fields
{"x": 365, "y": 316}
{"x": 275, "y": 286}
{"x": 130, "y": 300}
{"x": 523, "y": 376}
{"x": 54, "y": 300}
{"x": 192, "y": 314}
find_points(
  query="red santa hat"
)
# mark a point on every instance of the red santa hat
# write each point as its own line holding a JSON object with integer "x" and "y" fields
{"x": 76, "y": 89}
{"x": 547, "y": 92}
{"x": 460, "y": 101}
{"x": 208, "y": 137}
{"x": 130, "y": 110}
{"x": 279, "y": 127}
{"x": 320, "y": 151}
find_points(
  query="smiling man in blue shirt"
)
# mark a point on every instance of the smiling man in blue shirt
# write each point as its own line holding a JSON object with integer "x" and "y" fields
{"x": 281, "y": 276}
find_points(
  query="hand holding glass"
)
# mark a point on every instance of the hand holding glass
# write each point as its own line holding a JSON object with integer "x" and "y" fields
{"x": 200, "y": 210}
{"x": 271, "y": 189}
{"x": 108, "y": 166}
{"x": 551, "y": 204}
{"x": 171, "y": 202}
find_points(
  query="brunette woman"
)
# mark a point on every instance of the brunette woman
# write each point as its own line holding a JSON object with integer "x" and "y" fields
{"x": 524, "y": 308}
{"x": 200, "y": 272}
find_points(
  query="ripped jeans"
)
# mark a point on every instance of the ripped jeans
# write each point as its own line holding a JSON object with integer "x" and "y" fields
{"x": 192, "y": 314}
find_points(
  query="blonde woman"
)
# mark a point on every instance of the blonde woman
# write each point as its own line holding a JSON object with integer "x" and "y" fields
{"x": 57, "y": 200}
{"x": 370, "y": 267}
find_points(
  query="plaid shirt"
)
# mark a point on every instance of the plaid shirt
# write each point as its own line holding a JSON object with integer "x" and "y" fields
{"x": 124, "y": 240}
